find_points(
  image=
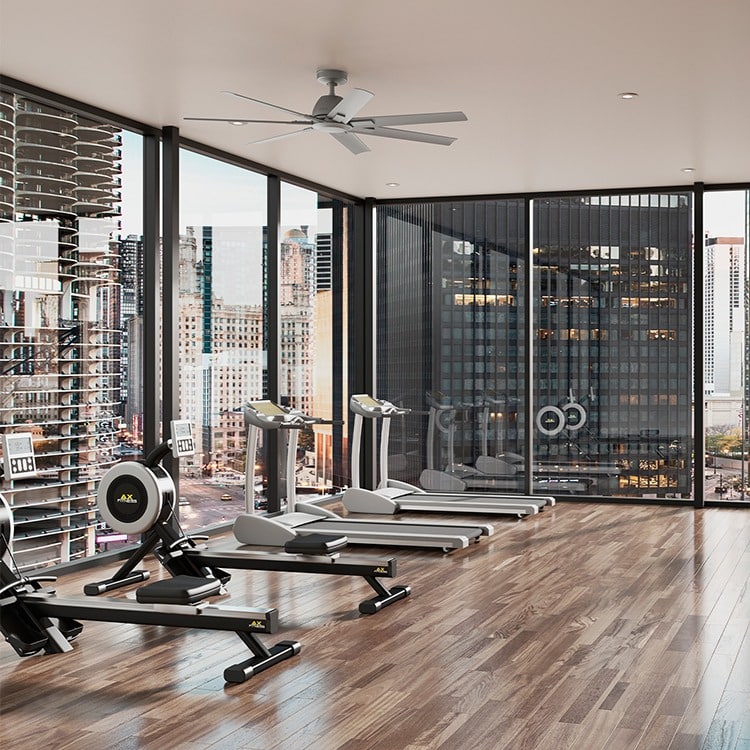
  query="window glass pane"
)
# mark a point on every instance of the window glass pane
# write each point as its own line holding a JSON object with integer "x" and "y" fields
{"x": 222, "y": 350}
{"x": 310, "y": 273}
{"x": 612, "y": 286}
{"x": 450, "y": 327}
{"x": 69, "y": 300}
{"x": 611, "y": 333}
{"x": 725, "y": 220}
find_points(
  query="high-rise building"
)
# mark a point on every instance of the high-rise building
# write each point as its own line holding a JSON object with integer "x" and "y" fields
{"x": 60, "y": 306}
{"x": 297, "y": 286}
{"x": 610, "y": 333}
{"x": 131, "y": 290}
{"x": 323, "y": 261}
{"x": 725, "y": 269}
{"x": 221, "y": 351}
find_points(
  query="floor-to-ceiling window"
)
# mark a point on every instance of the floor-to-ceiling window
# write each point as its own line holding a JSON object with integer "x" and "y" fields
{"x": 450, "y": 341}
{"x": 311, "y": 267}
{"x": 725, "y": 268}
{"x": 611, "y": 334}
{"x": 613, "y": 384}
{"x": 73, "y": 258}
{"x": 70, "y": 291}
{"x": 222, "y": 351}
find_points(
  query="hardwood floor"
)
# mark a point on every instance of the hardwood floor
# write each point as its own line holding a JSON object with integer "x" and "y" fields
{"x": 585, "y": 627}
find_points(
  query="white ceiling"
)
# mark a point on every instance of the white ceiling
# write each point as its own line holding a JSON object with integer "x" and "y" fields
{"x": 538, "y": 80}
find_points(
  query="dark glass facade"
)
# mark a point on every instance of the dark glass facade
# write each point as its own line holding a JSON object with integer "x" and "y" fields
{"x": 610, "y": 326}
{"x": 612, "y": 342}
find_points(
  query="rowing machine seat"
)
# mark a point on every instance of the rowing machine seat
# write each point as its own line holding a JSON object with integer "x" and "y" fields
{"x": 178, "y": 590}
{"x": 315, "y": 544}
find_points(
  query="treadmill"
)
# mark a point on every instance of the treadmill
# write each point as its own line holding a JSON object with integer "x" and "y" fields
{"x": 393, "y": 496}
{"x": 300, "y": 519}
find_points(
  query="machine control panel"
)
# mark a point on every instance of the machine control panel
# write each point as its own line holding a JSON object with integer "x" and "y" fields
{"x": 183, "y": 443}
{"x": 18, "y": 455}
{"x": 270, "y": 416}
{"x": 368, "y": 406}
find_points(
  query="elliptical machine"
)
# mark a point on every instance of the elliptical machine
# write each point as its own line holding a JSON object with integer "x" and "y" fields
{"x": 33, "y": 620}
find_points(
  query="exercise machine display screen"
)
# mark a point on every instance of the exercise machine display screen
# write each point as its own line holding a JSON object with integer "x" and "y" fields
{"x": 183, "y": 443}
{"x": 369, "y": 402}
{"x": 18, "y": 455}
{"x": 267, "y": 408}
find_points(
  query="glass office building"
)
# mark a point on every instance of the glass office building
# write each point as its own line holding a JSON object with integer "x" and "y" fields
{"x": 608, "y": 325}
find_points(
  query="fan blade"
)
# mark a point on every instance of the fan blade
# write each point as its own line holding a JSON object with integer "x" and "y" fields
{"x": 350, "y": 105}
{"x": 268, "y": 104}
{"x": 427, "y": 117}
{"x": 406, "y": 135}
{"x": 354, "y": 144}
{"x": 283, "y": 135}
{"x": 239, "y": 120}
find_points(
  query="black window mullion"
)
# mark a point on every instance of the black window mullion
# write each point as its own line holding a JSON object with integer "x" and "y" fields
{"x": 699, "y": 353}
{"x": 171, "y": 286}
{"x": 273, "y": 317}
{"x": 151, "y": 293}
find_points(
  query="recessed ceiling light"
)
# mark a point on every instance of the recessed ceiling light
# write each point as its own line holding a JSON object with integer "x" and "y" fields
{"x": 237, "y": 122}
{"x": 392, "y": 184}
{"x": 628, "y": 95}
{"x": 688, "y": 170}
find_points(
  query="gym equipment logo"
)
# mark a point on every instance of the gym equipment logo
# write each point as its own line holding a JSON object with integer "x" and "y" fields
{"x": 129, "y": 498}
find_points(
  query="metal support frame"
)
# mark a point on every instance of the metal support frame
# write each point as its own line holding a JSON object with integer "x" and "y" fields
{"x": 528, "y": 289}
{"x": 362, "y": 326}
{"x": 339, "y": 412}
{"x": 273, "y": 327}
{"x": 151, "y": 292}
{"x": 171, "y": 289}
{"x": 699, "y": 353}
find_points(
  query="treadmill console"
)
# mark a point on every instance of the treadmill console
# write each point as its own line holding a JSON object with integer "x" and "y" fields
{"x": 370, "y": 407}
{"x": 18, "y": 455}
{"x": 183, "y": 443}
{"x": 365, "y": 405}
{"x": 270, "y": 416}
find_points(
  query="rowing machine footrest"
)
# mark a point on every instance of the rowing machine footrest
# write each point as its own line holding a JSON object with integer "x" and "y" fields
{"x": 69, "y": 627}
{"x": 178, "y": 590}
{"x": 315, "y": 544}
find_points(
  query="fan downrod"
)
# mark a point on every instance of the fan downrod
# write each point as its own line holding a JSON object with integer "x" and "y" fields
{"x": 331, "y": 76}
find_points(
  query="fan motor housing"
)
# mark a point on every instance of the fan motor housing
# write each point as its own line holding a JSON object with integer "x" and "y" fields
{"x": 325, "y": 104}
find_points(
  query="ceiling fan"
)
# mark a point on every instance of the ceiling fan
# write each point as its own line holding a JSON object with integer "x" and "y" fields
{"x": 335, "y": 115}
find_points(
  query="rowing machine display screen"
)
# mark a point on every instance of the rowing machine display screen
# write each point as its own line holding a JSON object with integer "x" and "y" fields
{"x": 18, "y": 455}
{"x": 183, "y": 443}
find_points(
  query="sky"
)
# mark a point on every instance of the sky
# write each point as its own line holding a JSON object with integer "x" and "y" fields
{"x": 723, "y": 213}
{"x": 213, "y": 193}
